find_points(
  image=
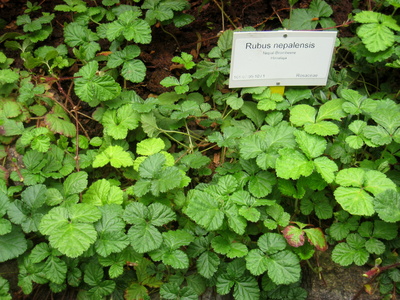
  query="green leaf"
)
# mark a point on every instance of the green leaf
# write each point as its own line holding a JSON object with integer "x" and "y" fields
{"x": 70, "y": 229}
{"x": 317, "y": 238}
{"x": 92, "y": 88}
{"x": 375, "y": 246}
{"x": 117, "y": 122}
{"x": 387, "y": 205}
{"x": 176, "y": 239}
{"x": 331, "y": 110}
{"x": 58, "y": 122}
{"x": 326, "y": 168}
{"x": 134, "y": 70}
{"x": 75, "y": 183}
{"x": 8, "y": 76}
{"x": 150, "y": 146}
{"x": 345, "y": 255}
{"x": 271, "y": 243}
{"x": 101, "y": 192}
{"x": 55, "y": 269}
{"x": 302, "y": 114}
{"x": 12, "y": 244}
{"x": 312, "y": 145}
{"x": 228, "y": 246}
{"x": 246, "y": 288}
{"x": 355, "y": 200}
{"x": 256, "y": 262}
{"x": 293, "y": 164}
{"x": 204, "y": 210}
{"x": 115, "y": 155}
{"x": 207, "y": 264}
{"x": 144, "y": 238}
{"x": 284, "y": 267}
{"x": 111, "y": 242}
{"x": 176, "y": 259}
{"x": 376, "y": 31}
{"x": 260, "y": 185}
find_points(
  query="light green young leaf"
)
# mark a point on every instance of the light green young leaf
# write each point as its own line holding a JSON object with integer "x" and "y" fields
{"x": 326, "y": 168}
{"x": 302, "y": 114}
{"x": 115, "y": 155}
{"x": 331, "y": 110}
{"x": 150, "y": 146}
{"x": 101, "y": 193}
{"x": 312, "y": 145}
{"x": 293, "y": 164}
{"x": 58, "y": 122}
{"x": 376, "y": 31}
{"x": 355, "y": 200}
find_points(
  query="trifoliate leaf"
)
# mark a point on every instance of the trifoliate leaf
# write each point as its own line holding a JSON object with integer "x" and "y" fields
{"x": 101, "y": 192}
{"x": 115, "y": 155}
{"x": 376, "y": 32}
{"x": 293, "y": 164}
{"x": 256, "y": 262}
{"x": 204, "y": 210}
{"x": 351, "y": 252}
{"x": 387, "y": 205}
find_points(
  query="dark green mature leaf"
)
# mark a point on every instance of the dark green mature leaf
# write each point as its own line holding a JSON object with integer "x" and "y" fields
{"x": 207, "y": 264}
{"x": 12, "y": 244}
{"x": 284, "y": 267}
{"x": 204, "y": 210}
{"x": 387, "y": 205}
{"x": 92, "y": 88}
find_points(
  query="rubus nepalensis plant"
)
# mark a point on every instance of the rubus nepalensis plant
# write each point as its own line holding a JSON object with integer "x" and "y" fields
{"x": 200, "y": 187}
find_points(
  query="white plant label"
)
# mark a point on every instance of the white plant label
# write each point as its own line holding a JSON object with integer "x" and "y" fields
{"x": 287, "y": 58}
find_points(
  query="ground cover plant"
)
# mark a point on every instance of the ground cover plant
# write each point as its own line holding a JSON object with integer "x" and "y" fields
{"x": 118, "y": 194}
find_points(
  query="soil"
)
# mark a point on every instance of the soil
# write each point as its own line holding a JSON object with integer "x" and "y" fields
{"x": 196, "y": 38}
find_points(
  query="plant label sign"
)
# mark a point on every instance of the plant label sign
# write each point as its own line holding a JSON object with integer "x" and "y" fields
{"x": 286, "y": 58}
